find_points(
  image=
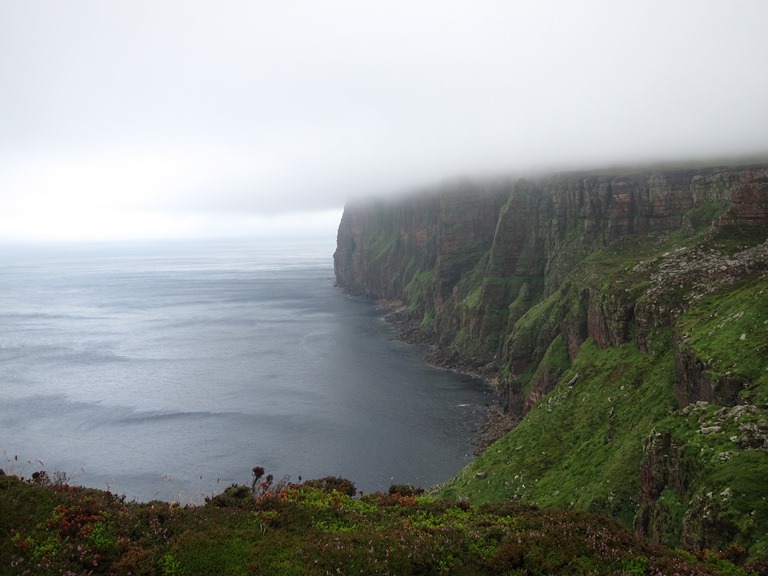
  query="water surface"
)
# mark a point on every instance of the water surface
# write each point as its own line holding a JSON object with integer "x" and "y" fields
{"x": 165, "y": 370}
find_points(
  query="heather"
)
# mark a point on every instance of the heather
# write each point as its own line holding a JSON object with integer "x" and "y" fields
{"x": 318, "y": 527}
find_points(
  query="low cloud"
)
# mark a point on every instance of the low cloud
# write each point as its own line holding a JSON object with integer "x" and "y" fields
{"x": 262, "y": 108}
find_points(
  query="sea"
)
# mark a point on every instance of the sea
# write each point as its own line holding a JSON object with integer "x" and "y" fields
{"x": 170, "y": 370}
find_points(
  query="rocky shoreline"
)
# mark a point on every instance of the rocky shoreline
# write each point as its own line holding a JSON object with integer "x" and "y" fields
{"x": 497, "y": 422}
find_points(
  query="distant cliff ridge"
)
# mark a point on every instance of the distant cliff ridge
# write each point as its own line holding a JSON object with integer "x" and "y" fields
{"x": 470, "y": 258}
{"x": 510, "y": 278}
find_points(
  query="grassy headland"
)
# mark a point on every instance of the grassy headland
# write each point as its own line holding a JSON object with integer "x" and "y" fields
{"x": 316, "y": 528}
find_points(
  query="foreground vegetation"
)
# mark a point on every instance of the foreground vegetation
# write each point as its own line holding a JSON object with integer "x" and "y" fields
{"x": 319, "y": 527}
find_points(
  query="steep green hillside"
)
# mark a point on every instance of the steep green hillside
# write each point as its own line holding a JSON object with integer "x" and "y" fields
{"x": 581, "y": 447}
{"x": 663, "y": 426}
{"x": 624, "y": 317}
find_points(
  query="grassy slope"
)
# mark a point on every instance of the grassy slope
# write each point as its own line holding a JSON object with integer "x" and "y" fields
{"x": 731, "y": 464}
{"x": 729, "y": 332}
{"x": 582, "y": 446}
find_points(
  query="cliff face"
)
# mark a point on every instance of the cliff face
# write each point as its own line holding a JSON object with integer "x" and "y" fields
{"x": 534, "y": 225}
{"x": 471, "y": 259}
{"x": 512, "y": 278}
{"x": 384, "y": 245}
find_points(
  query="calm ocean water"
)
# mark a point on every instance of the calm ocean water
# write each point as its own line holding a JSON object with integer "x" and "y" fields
{"x": 169, "y": 370}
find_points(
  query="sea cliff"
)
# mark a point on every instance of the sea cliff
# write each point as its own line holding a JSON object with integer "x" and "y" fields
{"x": 623, "y": 315}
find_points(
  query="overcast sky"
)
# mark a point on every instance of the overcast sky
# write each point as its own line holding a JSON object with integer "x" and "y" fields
{"x": 164, "y": 118}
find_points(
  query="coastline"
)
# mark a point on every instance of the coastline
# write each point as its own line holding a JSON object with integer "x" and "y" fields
{"x": 496, "y": 422}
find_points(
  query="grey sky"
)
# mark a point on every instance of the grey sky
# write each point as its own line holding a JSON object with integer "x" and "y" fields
{"x": 152, "y": 118}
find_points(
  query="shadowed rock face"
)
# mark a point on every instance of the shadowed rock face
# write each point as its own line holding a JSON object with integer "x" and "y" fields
{"x": 381, "y": 245}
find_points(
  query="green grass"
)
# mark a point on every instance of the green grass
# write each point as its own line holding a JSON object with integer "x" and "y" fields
{"x": 702, "y": 216}
{"x": 726, "y": 489}
{"x": 729, "y": 333}
{"x": 730, "y": 239}
{"x": 529, "y": 329}
{"x": 582, "y": 445}
{"x": 419, "y": 291}
{"x": 314, "y": 529}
